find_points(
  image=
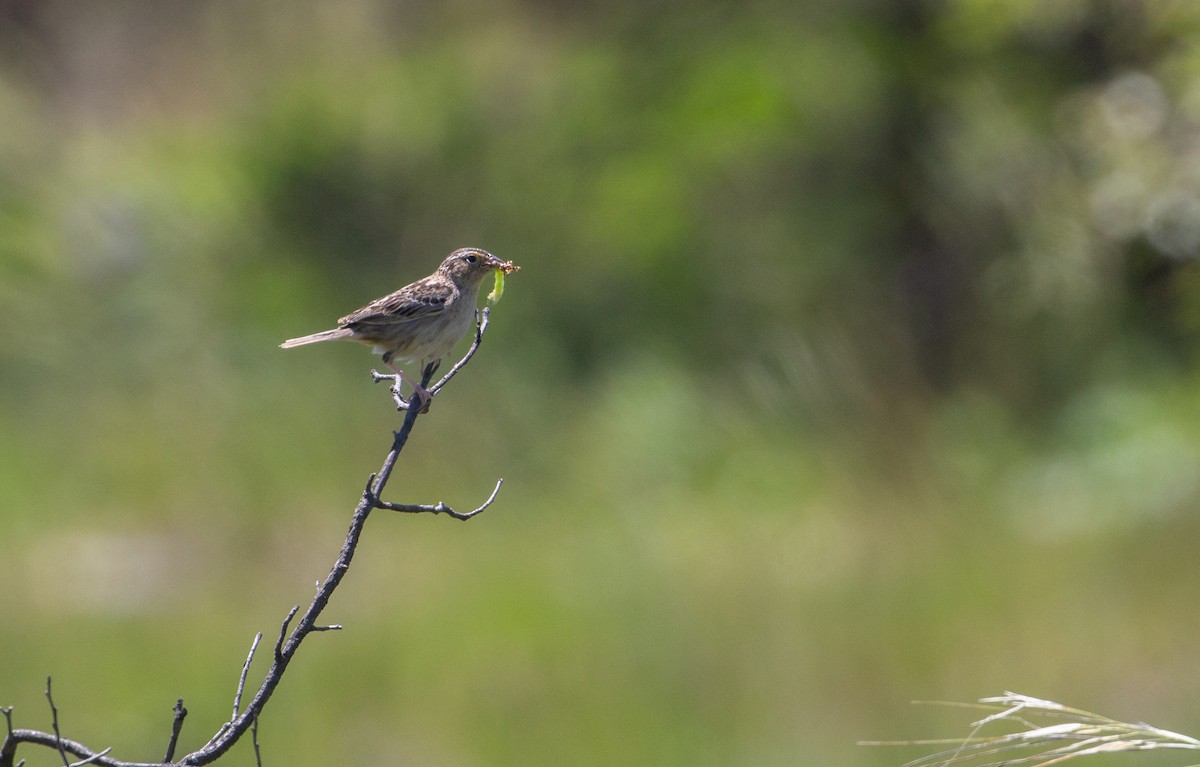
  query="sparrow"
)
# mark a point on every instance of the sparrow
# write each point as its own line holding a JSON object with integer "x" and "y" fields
{"x": 421, "y": 322}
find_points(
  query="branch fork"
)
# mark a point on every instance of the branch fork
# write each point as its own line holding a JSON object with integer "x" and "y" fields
{"x": 436, "y": 508}
{"x": 481, "y": 323}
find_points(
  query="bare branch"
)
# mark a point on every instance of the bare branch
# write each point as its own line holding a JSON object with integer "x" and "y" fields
{"x": 91, "y": 759}
{"x": 73, "y": 748}
{"x": 254, "y": 741}
{"x": 54, "y": 724}
{"x": 9, "y": 748}
{"x": 439, "y": 507}
{"x": 237, "y": 697}
{"x": 220, "y": 733}
{"x": 397, "y": 397}
{"x": 283, "y": 633}
{"x": 176, "y": 727}
{"x": 481, "y": 323}
{"x": 287, "y": 643}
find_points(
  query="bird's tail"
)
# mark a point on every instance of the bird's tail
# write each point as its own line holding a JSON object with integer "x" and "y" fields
{"x": 316, "y": 338}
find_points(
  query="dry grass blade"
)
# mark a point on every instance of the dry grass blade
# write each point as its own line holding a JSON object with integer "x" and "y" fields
{"x": 1049, "y": 733}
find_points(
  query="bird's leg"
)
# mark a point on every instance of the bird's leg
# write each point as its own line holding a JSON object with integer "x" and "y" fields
{"x": 432, "y": 368}
{"x": 426, "y": 376}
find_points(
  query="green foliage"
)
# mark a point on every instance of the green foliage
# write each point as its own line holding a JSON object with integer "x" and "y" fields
{"x": 851, "y": 360}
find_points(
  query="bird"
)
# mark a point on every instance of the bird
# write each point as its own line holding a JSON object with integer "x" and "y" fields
{"x": 422, "y": 321}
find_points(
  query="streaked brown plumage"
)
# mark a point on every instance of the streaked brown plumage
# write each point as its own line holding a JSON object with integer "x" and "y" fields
{"x": 420, "y": 322}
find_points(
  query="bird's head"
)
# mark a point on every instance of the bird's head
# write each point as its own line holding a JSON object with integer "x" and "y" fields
{"x": 468, "y": 266}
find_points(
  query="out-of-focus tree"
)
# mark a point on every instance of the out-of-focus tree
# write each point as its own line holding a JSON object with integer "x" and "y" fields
{"x": 884, "y": 198}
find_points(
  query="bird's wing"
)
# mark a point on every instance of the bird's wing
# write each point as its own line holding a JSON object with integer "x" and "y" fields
{"x": 408, "y": 304}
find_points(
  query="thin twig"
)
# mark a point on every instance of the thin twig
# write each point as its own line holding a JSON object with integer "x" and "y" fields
{"x": 399, "y": 440}
{"x": 54, "y": 724}
{"x": 397, "y": 396}
{"x": 283, "y": 633}
{"x": 237, "y": 697}
{"x": 74, "y": 748}
{"x": 176, "y": 727}
{"x": 439, "y": 507}
{"x": 254, "y": 742}
{"x": 91, "y": 759}
{"x": 481, "y": 323}
{"x": 220, "y": 733}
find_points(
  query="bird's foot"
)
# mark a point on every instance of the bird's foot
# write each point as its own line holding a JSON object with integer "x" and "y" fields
{"x": 422, "y": 397}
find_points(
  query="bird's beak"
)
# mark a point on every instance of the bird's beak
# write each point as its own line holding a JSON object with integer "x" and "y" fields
{"x": 508, "y": 267}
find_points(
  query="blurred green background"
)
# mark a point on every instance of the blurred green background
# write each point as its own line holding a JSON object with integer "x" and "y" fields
{"x": 853, "y": 361}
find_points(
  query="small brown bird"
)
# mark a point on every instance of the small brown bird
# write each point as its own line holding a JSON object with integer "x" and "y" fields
{"x": 420, "y": 322}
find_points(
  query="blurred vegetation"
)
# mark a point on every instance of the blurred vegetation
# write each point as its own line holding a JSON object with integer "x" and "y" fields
{"x": 852, "y": 361}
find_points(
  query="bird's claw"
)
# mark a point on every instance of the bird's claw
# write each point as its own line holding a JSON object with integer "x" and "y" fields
{"x": 423, "y": 397}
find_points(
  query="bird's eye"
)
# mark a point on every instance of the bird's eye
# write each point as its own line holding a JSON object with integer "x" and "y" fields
{"x": 472, "y": 258}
